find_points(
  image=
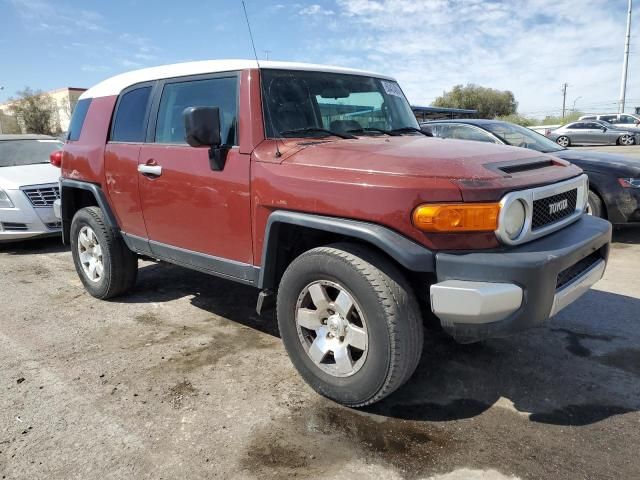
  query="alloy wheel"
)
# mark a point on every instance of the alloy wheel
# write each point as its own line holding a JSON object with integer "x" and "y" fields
{"x": 563, "y": 141}
{"x": 332, "y": 328}
{"x": 626, "y": 140}
{"x": 90, "y": 254}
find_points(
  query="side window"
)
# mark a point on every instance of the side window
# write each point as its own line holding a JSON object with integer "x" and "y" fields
{"x": 609, "y": 118}
{"x": 594, "y": 126}
{"x": 576, "y": 126}
{"x": 464, "y": 132}
{"x": 627, "y": 119}
{"x": 129, "y": 122}
{"x": 214, "y": 92}
{"x": 587, "y": 118}
{"x": 77, "y": 119}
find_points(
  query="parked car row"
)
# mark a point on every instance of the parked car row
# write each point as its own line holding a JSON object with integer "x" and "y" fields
{"x": 594, "y": 132}
{"x": 614, "y": 180}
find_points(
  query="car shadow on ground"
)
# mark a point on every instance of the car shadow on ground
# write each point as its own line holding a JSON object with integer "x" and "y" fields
{"x": 35, "y": 246}
{"x": 627, "y": 234}
{"x": 579, "y": 370}
{"x": 573, "y": 372}
{"x": 162, "y": 282}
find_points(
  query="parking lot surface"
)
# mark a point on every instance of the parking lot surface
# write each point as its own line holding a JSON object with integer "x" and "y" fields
{"x": 181, "y": 379}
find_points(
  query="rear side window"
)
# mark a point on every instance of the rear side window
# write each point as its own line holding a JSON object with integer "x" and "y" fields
{"x": 213, "y": 92}
{"x": 77, "y": 119}
{"x": 129, "y": 122}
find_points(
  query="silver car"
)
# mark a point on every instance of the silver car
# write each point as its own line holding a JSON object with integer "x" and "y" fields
{"x": 593, "y": 132}
{"x": 28, "y": 187}
{"x": 619, "y": 120}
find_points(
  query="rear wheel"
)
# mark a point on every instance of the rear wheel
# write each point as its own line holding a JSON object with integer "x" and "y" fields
{"x": 595, "y": 205}
{"x": 350, "y": 323}
{"x": 563, "y": 141}
{"x": 626, "y": 139}
{"x": 106, "y": 266}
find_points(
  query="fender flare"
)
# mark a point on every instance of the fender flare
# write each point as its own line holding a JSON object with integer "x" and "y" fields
{"x": 406, "y": 252}
{"x": 99, "y": 196}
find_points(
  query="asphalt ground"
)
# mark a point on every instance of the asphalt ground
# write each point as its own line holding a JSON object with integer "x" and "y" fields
{"x": 181, "y": 379}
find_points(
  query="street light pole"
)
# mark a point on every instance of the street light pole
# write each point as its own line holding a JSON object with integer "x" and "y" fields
{"x": 625, "y": 62}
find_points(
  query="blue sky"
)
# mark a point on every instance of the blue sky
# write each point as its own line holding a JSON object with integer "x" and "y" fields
{"x": 528, "y": 46}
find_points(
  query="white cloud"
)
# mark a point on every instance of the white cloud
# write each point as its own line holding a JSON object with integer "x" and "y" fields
{"x": 316, "y": 9}
{"x": 529, "y": 47}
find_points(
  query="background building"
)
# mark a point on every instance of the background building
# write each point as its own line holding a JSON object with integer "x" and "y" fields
{"x": 65, "y": 100}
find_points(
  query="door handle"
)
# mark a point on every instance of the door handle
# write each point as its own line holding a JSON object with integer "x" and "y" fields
{"x": 155, "y": 170}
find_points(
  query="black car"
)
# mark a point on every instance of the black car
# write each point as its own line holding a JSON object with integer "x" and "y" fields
{"x": 614, "y": 180}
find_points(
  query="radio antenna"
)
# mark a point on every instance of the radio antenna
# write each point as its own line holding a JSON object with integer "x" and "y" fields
{"x": 255, "y": 54}
{"x": 253, "y": 45}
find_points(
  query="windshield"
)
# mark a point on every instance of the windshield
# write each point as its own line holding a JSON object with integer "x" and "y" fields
{"x": 522, "y": 137}
{"x": 14, "y": 153}
{"x": 299, "y": 104}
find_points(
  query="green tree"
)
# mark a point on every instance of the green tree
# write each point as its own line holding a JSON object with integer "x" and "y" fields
{"x": 489, "y": 103}
{"x": 36, "y": 111}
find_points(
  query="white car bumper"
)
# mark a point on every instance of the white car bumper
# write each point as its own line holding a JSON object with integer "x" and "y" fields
{"x": 24, "y": 220}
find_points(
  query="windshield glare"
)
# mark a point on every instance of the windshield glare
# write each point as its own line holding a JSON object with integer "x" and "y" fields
{"x": 522, "y": 137}
{"x": 296, "y": 100}
{"x": 14, "y": 153}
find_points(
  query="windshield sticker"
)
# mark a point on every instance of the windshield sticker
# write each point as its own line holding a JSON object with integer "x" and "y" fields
{"x": 392, "y": 88}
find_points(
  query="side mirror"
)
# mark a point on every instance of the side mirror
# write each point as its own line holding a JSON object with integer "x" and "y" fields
{"x": 604, "y": 129}
{"x": 202, "y": 129}
{"x": 202, "y": 126}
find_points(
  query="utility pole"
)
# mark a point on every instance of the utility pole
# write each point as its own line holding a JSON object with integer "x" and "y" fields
{"x": 564, "y": 98}
{"x": 625, "y": 62}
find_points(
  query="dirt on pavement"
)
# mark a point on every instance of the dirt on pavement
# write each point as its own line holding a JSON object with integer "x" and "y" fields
{"x": 181, "y": 379}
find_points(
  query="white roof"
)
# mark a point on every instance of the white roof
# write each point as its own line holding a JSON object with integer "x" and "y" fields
{"x": 115, "y": 85}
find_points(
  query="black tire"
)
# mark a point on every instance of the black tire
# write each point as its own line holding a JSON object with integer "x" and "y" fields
{"x": 562, "y": 143}
{"x": 596, "y": 206}
{"x": 120, "y": 265}
{"x": 394, "y": 324}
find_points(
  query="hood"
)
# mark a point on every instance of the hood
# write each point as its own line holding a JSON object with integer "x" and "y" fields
{"x": 12, "y": 178}
{"x": 412, "y": 156}
{"x": 591, "y": 160}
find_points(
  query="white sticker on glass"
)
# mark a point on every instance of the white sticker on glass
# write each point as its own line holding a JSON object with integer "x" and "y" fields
{"x": 392, "y": 88}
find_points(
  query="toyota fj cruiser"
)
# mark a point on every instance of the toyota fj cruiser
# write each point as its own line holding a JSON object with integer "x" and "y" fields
{"x": 315, "y": 184}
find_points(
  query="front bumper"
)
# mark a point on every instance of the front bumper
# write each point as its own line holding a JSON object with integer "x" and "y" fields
{"x": 24, "y": 220}
{"x": 481, "y": 295}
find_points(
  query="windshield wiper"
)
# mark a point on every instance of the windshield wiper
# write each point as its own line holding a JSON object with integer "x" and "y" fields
{"x": 371, "y": 129}
{"x": 409, "y": 129}
{"x": 327, "y": 132}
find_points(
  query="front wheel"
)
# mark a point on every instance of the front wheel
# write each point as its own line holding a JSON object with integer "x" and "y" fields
{"x": 563, "y": 141}
{"x": 595, "y": 206}
{"x": 626, "y": 140}
{"x": 106, "y": 266}
{"x": 350, "y": 323}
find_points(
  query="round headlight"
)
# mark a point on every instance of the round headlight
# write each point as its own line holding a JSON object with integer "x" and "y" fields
{"x": 514, "y": 218}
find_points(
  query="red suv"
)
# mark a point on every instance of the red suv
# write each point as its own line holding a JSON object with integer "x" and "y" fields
{"x": 315, "y": 185}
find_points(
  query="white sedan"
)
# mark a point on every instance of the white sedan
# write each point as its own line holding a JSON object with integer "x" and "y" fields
{"x": 28, "y": 187}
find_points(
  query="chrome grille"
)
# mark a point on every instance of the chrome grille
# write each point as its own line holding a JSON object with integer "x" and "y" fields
{"x": 544, "y": 212}
{"x": 42, "y": 195}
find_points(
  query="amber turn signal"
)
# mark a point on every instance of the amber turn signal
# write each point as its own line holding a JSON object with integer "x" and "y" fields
{"x": 457, "y": 217}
